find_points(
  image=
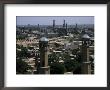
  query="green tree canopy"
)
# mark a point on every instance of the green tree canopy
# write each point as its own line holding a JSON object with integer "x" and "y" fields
{"x": 57, "y": 68}
{"x": 22, "y": 67}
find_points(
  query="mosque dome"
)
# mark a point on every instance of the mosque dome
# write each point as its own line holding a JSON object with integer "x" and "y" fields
{"x": 85, "y": 36}
{"x": 43, "y": 39}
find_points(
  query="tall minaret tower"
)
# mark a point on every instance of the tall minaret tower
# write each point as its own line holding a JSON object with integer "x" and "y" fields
{"x": 76, "y": 27}
{"x": 86, "y": 64}
{"x": 38, "y": 25}
{"x": 53, "y": 24}
{"x": 64, "y": 23}
{"x": 43, "y": 46}
{"x": 66, "y": 26}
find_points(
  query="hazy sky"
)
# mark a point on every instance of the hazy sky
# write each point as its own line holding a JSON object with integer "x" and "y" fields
{"x": 48, "y": 20}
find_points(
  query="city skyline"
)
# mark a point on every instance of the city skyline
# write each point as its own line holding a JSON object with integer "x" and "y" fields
{"x": 48, "y": 20}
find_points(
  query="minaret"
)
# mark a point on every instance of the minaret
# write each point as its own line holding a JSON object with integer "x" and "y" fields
{"x": 86, "y": 64}
{"x": 43, "y": 46}
{"x": 38, "y": 25}
{"x": 76, "y": 27}
{"x": 64, "y": 23}
{"x": 53, "y": 24}
{"x": 66, "y": 26}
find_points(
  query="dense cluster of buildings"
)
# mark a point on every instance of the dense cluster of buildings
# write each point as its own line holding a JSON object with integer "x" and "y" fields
{"x": 43, "y": 41}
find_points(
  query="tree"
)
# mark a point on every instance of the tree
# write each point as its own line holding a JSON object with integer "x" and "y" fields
{"x": 22, "y": 67}
{"x": 21, "y": 37}
{"x": 77, "y": 70}
{"x": 57, "y": 45}
{"x": 53, "y": 58}
{"x": 24, "y": 52}
{"x": 18, "y": 46}
{"x": 18, "y": 54}
{"x": 57, "y": 68}
{"x": 70, "y": 65}
{"x": 75, "y": 51}
{"x": 79, "y": 60}
{"x": 31, "y": 48}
